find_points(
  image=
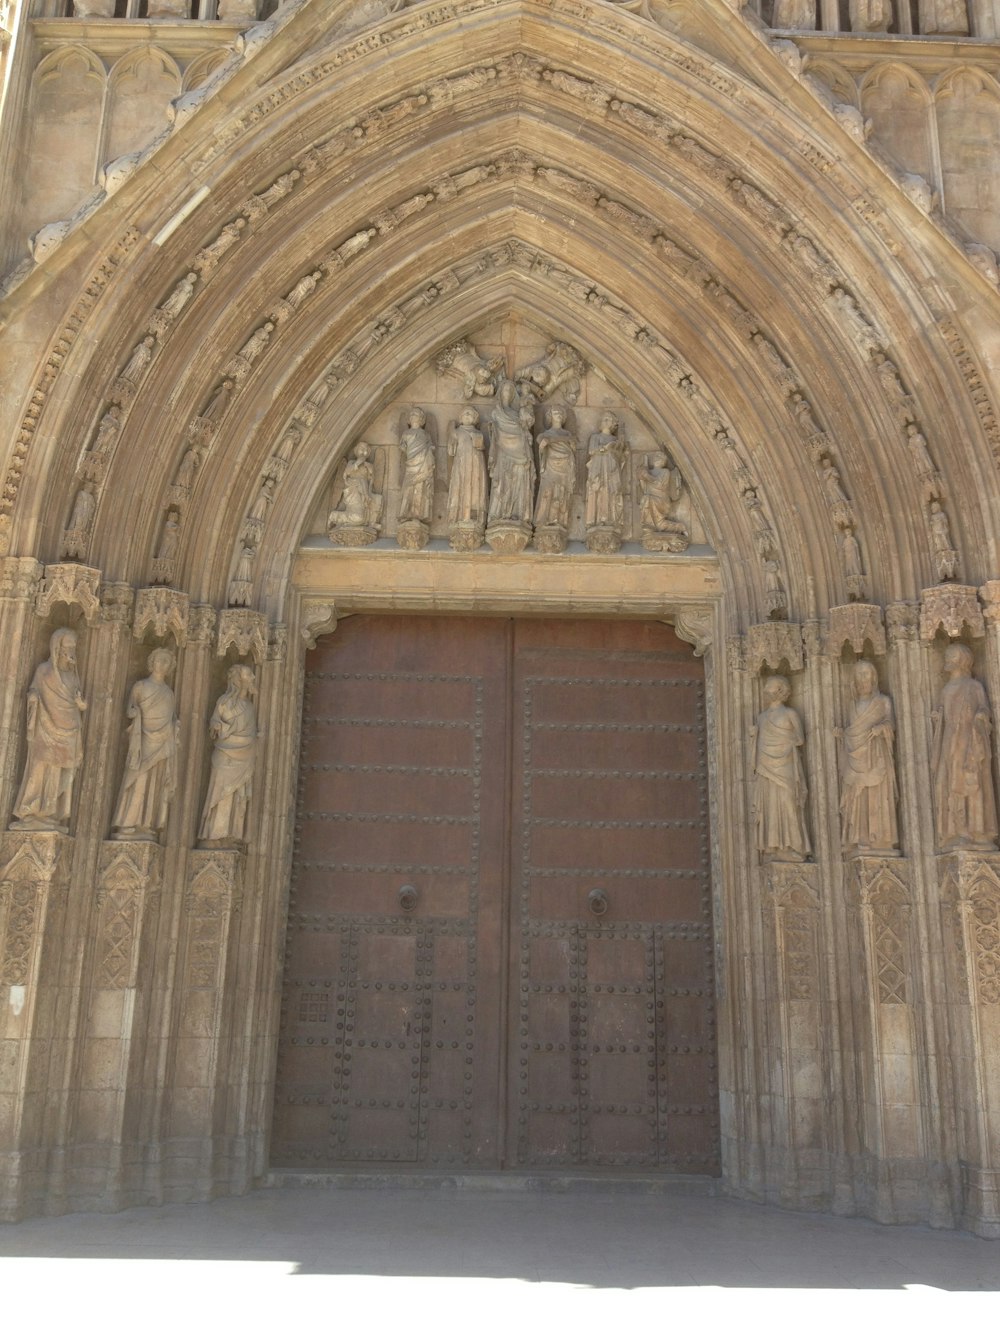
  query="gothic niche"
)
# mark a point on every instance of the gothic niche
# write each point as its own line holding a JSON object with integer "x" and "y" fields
{"x": 507, "y": 440}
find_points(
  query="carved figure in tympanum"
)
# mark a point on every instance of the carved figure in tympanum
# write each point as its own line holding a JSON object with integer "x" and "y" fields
{"x": 964, "y": 800}
{"x": 233, "y": 731}
{"x": 355, "y": 521}
{"x": 561, "y": 367}
{"x": 467, "y": 487}
{"x": 661, "y": 491}
{"x": 511, "y": 470}
{"x": 944, "y": 16}
{"x": 870, "y": 15}
{"x": 557, "y": 464}
{"x": 55, "y": 739}
{"x": 478, "y": 375}
{"x": 150, "y": 778}
{"x": 780, "y": 793}
{"x": 416, "y": 493}
{"x": 605, "y": 508}
{"x": 868, "y": 776}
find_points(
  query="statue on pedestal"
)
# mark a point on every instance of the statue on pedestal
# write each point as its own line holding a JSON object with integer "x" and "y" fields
{"x": 151, "y": 768}
{"x": 868, "y": 795}
{"x": 55, "y": 739}
{"x": 467, "y": 489}
{"x": 779, "y": 799}
{"x": 233, "y": 728}
{"x": 605, "y": 489}
{"x": 964, "y": 801}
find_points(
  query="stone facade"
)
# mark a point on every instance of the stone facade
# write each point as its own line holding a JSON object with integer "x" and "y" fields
{"x": 260, "y": 275}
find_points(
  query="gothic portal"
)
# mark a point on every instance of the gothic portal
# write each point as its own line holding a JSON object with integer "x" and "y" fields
{"x": 499, "y": 595}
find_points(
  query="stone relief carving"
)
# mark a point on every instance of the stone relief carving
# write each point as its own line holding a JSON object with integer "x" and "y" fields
{"x": 467, "y": 486}
{"x": 944, "y": 16}
{"x": 662, "y": 489}
{"x": 964, "y": 800}
{"x": 166, "y": 550}
{"x": 478, "y": 375}
{"x": 55, "y": 740}
{"x": 233, "y": 730}
{"x": 780, "y": 793}
{"x": 73, "y": 585}
{"x": 355, "y": 521}
{"x": 868, "y": 775}
{"x": 150, "y": 777}
{"x": 870, "y": 15}
{"x": 562, "y": 367}
{"x": 76, "y": 538}
{"x": 794, "y": 14}
{"x": 124, "y": 388}
{"x": 857, "y": 625}
{"x": 605, "y": 512}
{"x": 952, "y": 607}
{"x": 942, "y": 546}
{"x": 511, "y": 467}
{"x": 557, "y": 448}
{"x": 167, "y": 312}
{"x": 161, "y": 611}
{"x": 244, "y": 631}
{"x": 416, "y": 497}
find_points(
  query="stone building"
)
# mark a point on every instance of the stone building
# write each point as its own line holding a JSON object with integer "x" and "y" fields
{"x": 512, "y": 421}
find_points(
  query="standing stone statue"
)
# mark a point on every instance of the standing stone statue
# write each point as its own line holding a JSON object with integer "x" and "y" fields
{"x": 151, "y": 767}
{"x": 416, "y": 494}
{"x": 779, "y": 799}
{"x": 870, "y": 15}
{"x": 557, "y": 461}
{"x": 605, "y": 489}
{"x": 944, "y": 16}
{"x": 233, "y": 728}
{"x": 868, "y": 795}
{"x": 355, "y": 522}
{"x": 55, "y": 739}
{"x": 799, "y": 14}
{"x": 467, "y": 488}
{"x": 964, "y": 803}
{"x": 661, "y": 487}
{"x": 512, "y": 471}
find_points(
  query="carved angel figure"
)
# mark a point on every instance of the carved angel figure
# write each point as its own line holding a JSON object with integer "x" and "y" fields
{"x": 359, "y": 506}
{"x": 964, "y": 802}
{"x": 55, "y": 739}
{"x": 779, "y": 800}
{"x": 477, "y": 374}
{"x": 416, "y": 496}
{"x": 557, "y": 460}
{"x": 151, "y": 767}
{"x": 560, "y": 368}
{"x": 868, "y": 791}
{"x": 233, "y": 729}
{"x": 661, "y": 486}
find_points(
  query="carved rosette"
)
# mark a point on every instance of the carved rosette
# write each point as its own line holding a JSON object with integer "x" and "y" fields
{"x": 243, "y": 630}
{"x": 951, "y": 607}
{"x": 128, "y": 880}
{"x": 773, "y": 645}
{"x": 882, "y": 893}
{"x": 73, "y": 585}
{"x": 855, "y": 625}
{"x": 161, "y": 611}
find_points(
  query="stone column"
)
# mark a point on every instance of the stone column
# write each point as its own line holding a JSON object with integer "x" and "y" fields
{"x": 34, "y": 873}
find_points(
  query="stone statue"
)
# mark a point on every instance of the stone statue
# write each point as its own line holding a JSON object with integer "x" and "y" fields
{"x": 151, "y": 768}
{"x": 662, "y": 487}
{"x": 779, "y": 800}
{"x": 233, "y": 729}
{"x": 55, "y": 739}
{"x": 871, "y": 15}
{"x": 134, "y": 367}
{"x": 179, "y": 297}
{"x": 77, "y": 532}
{"x": 964, "y": 803}
{"x": 944, "y": 16}
{"x": 605, "y": 489}
{"x": 561, "y": 368}
{"x": 477, "y": 374}
{"x": 467, "y": 489}
{"x": 170, "y": 537}
{"x": 557, "y": 461}
{"x": 836, "y": 498}
{"x": 416, "y": 493}
{"x": 512, "y": 471}
{"x": 111, "y": 424}
{"x": 917, "y": 445}
{"x": 854, "y": 573}
{"x": 799, "y": 14}
{"x": 241, "y": 584}
{"x": 945, "y": 555}
{"x": 355, "y": 522}
{"x": 868, "y": 793}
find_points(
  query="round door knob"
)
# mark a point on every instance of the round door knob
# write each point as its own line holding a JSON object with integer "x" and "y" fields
{"x": 408, "y": 897}
{"x": 597, "y": 900}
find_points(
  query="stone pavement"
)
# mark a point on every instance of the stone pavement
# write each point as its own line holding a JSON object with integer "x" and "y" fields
{"x": 458, "y": 1258}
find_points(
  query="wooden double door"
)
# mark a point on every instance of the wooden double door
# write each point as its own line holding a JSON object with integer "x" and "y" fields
{"x": 499, "y": 948}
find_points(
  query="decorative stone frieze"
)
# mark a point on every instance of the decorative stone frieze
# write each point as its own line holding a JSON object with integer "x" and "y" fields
{"x": 881, "y": 891}
{"x": 33, "y": 865}
{"x": 73, "y": 585}
{"x": 854, "y": 625}
{"x": 243, "y": 630}
{"x": 952, "y": 607}
{"x": 161, "y": 611}
{"x": 20, "y": 576}
{"x": 774, "y": 644}
{"x": 128, "y": 884}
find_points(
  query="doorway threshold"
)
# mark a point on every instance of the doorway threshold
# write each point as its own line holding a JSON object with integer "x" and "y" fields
{"x": 498, "y": 1182}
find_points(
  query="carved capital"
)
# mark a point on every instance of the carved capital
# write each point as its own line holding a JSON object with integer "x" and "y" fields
{"x": 215, "y": 881}
{"x": 990, "y": 594}
{"x": 33, "y": 857}
{"x": 244, "y": 630}
{"x": 73, "y": 585}
{"x": 902, "y": 620}
{"x": 856, "y": 624}
{"x": 20, "y": 576}
{"x": 163, "y": 611}
{"x": 693, "y": 624}
{"x": 951, "y": 607}
{"x": 116, "y": 603}
{"x": 201, "y": 624}
{"x": 774, "y": 644}
{"x": 319, "y": 616}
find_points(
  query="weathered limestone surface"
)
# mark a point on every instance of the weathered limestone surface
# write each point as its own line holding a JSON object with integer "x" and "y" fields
{"x": 597, "y": 314}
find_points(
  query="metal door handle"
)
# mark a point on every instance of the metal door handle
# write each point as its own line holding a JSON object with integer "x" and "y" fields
{"x": 598, "y": 901}
{"x": 408, "y": 897}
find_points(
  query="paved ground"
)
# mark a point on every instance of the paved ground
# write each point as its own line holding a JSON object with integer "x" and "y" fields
{"x": 446, "y": 1259}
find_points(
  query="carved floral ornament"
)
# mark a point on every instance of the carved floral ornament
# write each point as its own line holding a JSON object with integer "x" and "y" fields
{"x": 780, "y": 225}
